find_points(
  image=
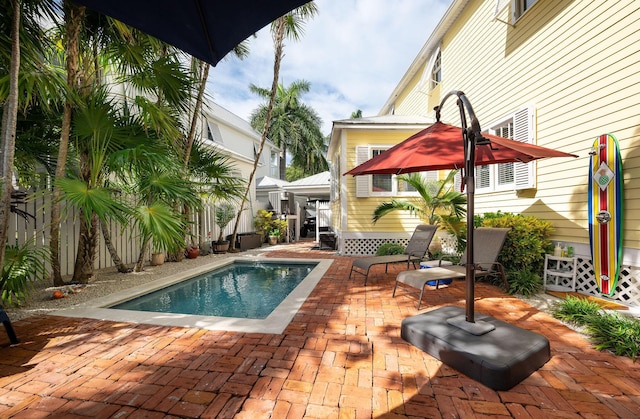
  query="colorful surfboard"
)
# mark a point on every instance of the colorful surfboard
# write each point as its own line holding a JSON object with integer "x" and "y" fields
{"x": 605, "y": 211}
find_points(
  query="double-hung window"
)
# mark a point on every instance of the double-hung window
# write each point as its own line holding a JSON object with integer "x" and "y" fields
{"x": 518, "y": 126}
{"x": 382, "y": 185}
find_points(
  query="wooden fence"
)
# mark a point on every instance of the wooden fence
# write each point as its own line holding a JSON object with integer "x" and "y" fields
{"x": 125, "y": 239}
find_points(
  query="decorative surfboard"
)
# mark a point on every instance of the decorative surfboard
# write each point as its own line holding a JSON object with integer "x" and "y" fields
{"x": 605, "y": 211}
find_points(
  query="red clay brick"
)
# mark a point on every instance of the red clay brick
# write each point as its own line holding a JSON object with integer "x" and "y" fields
{"x": 187, "y": 410}
{"x": 345, "y": 339}
{"x": 199, "y": 397}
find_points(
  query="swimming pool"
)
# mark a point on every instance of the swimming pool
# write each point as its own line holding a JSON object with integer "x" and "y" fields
{"x": 242, "y": 289}
{"x": 275, "y": 322}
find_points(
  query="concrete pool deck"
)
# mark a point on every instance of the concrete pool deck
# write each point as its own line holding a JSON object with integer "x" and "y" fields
{"x": 340, "y": 357}
{"x": 276, "y": 322}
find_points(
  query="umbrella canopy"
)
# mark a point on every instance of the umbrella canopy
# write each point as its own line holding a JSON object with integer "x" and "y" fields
{"x": 443, "y": 146}
{"x": 440, "y": 146}
{"x": 206, "y": 29}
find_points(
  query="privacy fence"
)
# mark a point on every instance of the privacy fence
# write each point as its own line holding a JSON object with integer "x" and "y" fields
{"x": 126, "y": 240}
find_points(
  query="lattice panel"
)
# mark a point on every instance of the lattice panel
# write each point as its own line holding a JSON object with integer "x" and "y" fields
{"x": 627, "y": 290}
{"x": 357, "y": 247}
{"x": 449, "y": 243}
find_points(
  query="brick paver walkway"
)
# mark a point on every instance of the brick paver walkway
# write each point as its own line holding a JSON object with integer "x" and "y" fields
{"x": 341, "y": 357}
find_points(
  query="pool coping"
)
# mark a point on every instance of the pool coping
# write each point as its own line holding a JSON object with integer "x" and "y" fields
{"x": 274, "y": 323}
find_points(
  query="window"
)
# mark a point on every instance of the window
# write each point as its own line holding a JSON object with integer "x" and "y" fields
{"x": 274, "y": 170}
{"x": 520, "y": 7}
{"x": 213, "y": 132}
{"x": 436, "y": 71}
{"x": 509, "y": 176}
{"x": 382, "y": 185}
{"x": 431, "y": 73}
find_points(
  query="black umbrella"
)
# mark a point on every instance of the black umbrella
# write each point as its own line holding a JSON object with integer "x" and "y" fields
{"x": 206, "y": 29}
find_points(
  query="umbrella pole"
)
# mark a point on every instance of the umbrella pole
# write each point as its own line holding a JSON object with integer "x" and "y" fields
{"x": 469, "y": 176}
{"x": 470, "y": 271}
{"x": 469, "y": 136}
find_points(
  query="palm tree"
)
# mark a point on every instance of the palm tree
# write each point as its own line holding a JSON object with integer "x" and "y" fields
{"x": 294, "y": 127}
{"x": 287, "y": 26}
{"x": 73, "y": 16}
{"x": 21, "y": 52}
{"x": 439, "y": 203}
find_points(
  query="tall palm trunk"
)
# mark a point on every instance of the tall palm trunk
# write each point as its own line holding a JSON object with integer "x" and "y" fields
{"x": 73, "y": 20}
{"x": 204, "y": 69}
{"x": 8, "y": 135}
{"x": 88, "y": 240}
{"x": 283, "y": 162}
{"x": 115, "y": 257}
{"x": 144, "y": 249}
{"x": 83, "y": 271}
{"x": 278, "y": 38}
{"x": 204, "y": 74}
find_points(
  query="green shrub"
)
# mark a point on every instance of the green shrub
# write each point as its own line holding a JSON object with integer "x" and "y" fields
{"x": 619, "y": 334}
{"x": 525, "y": 245}
{"x": 524, "y": 282}
{"x": 616, "y": 333}
{"x": 390, "y": 249}
{"x": 265, "y": 222}
{"x": 576, "y": 310}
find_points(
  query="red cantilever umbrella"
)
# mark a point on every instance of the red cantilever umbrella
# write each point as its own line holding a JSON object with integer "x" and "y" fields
{"x": 441, "y": 147}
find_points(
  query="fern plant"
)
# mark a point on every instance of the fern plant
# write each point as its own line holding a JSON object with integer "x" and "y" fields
{"x": 23, "y": 265}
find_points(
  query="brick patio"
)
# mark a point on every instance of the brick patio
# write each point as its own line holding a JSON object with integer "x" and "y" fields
{"x": 341, "y": 357}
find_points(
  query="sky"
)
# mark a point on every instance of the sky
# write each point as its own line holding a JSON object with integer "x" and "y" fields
{"x": 353, "y": 53}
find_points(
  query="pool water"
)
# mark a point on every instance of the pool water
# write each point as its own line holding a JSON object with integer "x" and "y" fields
{"x": 250, "y": 290}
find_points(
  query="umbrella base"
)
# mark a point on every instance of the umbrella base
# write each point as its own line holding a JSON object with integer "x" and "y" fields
{"x": 499, "y": 359}
{"x": 478, "y": 327}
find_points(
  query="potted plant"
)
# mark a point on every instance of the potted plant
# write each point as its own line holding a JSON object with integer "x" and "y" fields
{"x": 274, "y": 236}
{"x": 192, "y": 252}
{"x": 157, "y": 258}
{"x": 224, "y": 214}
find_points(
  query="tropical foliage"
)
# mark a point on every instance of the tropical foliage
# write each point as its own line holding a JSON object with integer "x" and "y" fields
{"x": 527, "y": 241}
{"x": 23, "y": 266}
{"x": 117, "y": 110}
{"x": 613, "y": 332}
{"x": 289, "y": 26}
{"x": 294, "y": 127}
{"x": 437, "y": 203}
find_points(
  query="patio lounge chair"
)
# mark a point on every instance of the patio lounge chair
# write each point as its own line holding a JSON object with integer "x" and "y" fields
{"x": 414, "y": 253}
{"x": 488, "y": 243}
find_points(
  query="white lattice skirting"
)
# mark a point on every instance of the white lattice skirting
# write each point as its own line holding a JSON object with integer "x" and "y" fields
{"x": 627, "y": 290}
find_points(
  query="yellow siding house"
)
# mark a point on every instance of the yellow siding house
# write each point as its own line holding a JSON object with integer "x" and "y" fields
{"x": 560, "y": 73}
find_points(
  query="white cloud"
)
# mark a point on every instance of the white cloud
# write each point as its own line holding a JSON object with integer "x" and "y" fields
{"x": 353, "y": 53}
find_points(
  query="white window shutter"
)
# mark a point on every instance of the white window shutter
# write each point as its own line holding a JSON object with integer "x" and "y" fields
{"x": 362, "y": 182}
{"x": 523, "y": 130}
{"x": 457, "y": 182}
{"x": 483, "y": 177}
{"x": 214, "y": 132}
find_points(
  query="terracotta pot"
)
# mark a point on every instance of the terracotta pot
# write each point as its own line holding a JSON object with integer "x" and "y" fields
{"x": 193, "y": 252}
{"x": 157, "y": 259}
{"x": 273, "y": 240}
